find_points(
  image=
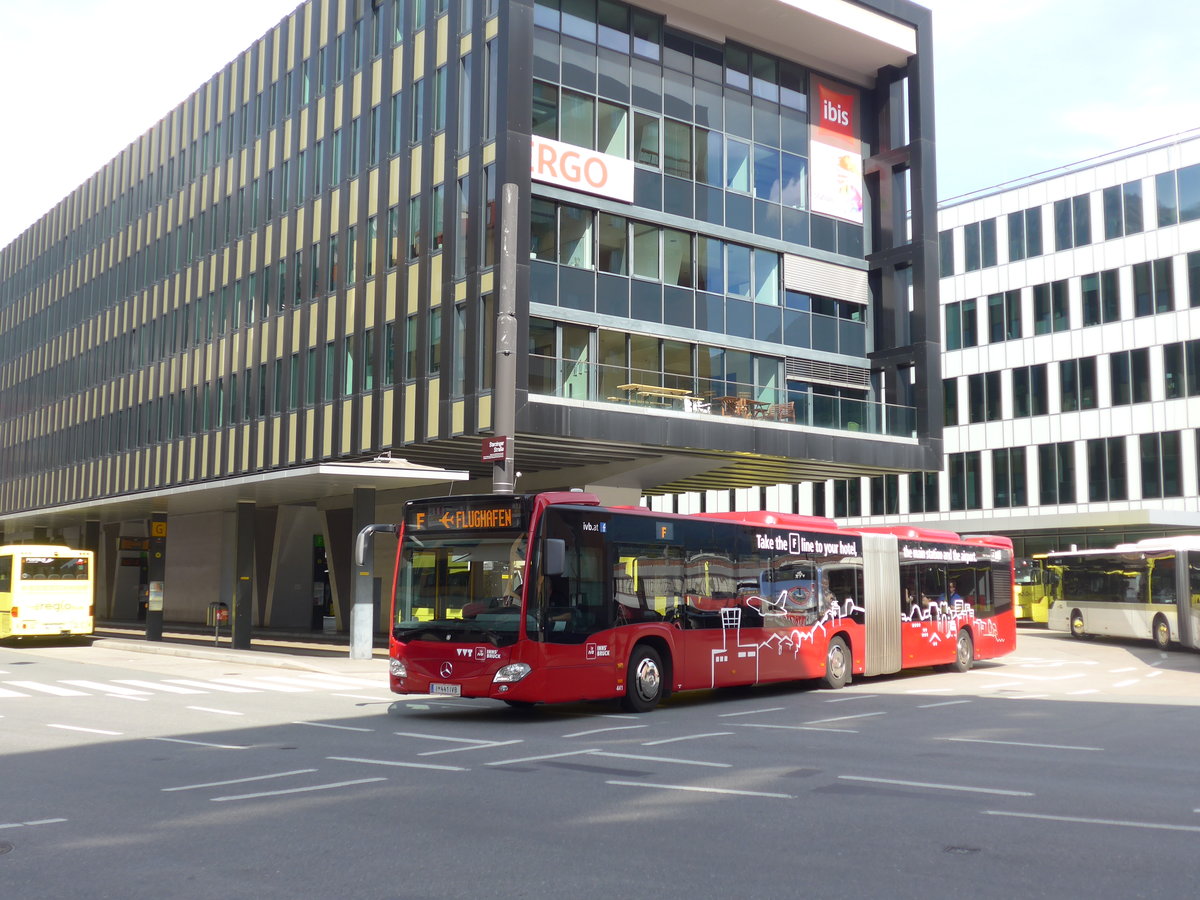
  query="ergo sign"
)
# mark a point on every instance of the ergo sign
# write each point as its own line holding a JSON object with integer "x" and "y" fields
{"x": 579, "y": 169}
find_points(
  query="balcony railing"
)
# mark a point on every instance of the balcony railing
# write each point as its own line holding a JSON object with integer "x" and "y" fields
{"x": 655, "y": 391}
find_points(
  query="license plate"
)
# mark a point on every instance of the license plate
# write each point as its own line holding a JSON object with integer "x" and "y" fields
{"x": 448, "y": 690}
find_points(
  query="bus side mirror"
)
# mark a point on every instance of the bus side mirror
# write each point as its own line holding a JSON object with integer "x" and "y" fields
{"x": 554, "y": 556}
{"x": 360, "y": 542}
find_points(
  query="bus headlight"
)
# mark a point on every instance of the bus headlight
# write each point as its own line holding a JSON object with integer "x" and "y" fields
{"x": 398, "y": 668}
{"x": 512, "y": 672}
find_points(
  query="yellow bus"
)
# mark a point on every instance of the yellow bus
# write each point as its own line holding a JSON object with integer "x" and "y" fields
{"x": 45, "y": 590}
{"x": 1036, "y": 586}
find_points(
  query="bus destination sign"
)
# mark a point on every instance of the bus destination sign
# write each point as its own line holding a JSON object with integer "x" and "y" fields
{"x": 471, "y": 515}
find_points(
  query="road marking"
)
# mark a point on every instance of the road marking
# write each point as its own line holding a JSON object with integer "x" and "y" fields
{"x": 211, "y": 686}
{"x": 842, "y": 718}
{"x": 1153, "y": 674}
{"x": 943, "y": 703}
{"x": 798, "y": 727}
{"x": 687, "y": 737}
{"x": 362, "y": 697}
{"x": 851, "y": 697}
{"x": 1001, "y": 685}
{"x": 439, "y": 737}
{"x": 487, "y": 746}
{"x": 52, "y": 689}
{"x": 212, "y": 784}
{"x": 601, "y": 730}
{"x": 338, "y": 727}
{"x": 1020, "y": 744}
{"x": 159, "y": 686}
{"x": 308, "y": 684}
{"x": 106, "y": 688}
{"x": 34, "y": 822}
{"x": 302, "y": 790}
{"x": 199, "y": 743}
{"x": 750, "y": 712}
{"x": 1162, "y": 826}
{"x": 8, "y": 693}
{"x": 402, "y": 765}
{"x": 1126, "y": 669}
{"x": 87, "y": 730}
{"x": 937, "y": 787}
{"x": 342, "y": 680}
{"x": 1081, "y": 693}
{"x": 663, "y": 759}
{"x": 942, "y": 690}
{"x": 1127, "y": 682}
{"x": 524, "y": 759}
{"x": 219, "y": 712}
{"x": 700, "y": 790}
{"x": 262, "y": 685}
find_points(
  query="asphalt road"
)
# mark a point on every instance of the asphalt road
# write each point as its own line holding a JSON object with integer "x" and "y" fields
{"x": 1067, "y": 770}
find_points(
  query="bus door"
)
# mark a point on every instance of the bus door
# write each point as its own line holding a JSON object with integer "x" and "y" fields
{"x": 882, "y": 601}
{"x": 1189, "y": 598}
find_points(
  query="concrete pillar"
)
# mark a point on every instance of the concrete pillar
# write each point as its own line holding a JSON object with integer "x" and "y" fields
{"x": 156, "y": 571}
{"x": 243, "y": 593}
{"x": 362, "y": 612}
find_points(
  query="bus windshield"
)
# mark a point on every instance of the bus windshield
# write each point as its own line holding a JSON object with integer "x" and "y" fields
{"x": 1029, "y": 571}
{"x": 460, "y": 588}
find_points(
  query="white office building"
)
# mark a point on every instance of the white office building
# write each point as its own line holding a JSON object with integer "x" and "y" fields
{"x": 1071, "y": 371}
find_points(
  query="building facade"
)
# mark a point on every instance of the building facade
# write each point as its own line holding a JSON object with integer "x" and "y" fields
{"x": 1071, "y": 321}
{"x": 725, "y": 276}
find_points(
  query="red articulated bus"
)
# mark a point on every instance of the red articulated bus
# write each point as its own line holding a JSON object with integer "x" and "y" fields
{"x": 552, "y": 598}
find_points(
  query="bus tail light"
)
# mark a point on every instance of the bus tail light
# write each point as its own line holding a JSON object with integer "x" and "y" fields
{"x": 398, "y": 669}
{"x": 512, "y": 672}
{"x": 15, "y": 612}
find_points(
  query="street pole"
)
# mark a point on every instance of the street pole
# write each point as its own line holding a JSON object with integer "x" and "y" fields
{"x": 504, "y": 397}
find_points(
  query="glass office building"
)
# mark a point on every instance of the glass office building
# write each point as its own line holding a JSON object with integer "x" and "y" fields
{"x": 725, "y": 276}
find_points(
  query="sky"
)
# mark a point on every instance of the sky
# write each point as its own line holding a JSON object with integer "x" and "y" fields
{"x": 1021, "y": 86}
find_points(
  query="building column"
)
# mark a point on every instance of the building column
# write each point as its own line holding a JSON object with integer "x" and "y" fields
{"x": 242, "y": 616}
{"x": 156, "y": 570}
{"x": 362, "y": 612}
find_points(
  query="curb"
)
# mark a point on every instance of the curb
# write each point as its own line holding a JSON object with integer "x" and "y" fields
{"x": 268, "y": 658}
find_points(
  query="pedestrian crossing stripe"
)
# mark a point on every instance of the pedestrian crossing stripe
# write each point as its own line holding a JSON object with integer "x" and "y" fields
{"x": 305, "y": 682}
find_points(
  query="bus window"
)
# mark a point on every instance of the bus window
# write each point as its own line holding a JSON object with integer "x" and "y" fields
{"x": 1162, "y": 580}
{"x": 5, "y": 574}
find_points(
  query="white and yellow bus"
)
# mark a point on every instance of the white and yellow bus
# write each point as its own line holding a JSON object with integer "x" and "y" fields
{"x": 1150, "y": 589}
{"x": 46, "y": 590}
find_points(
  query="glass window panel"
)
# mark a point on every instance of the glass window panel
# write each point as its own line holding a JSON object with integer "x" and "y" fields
{"x": 677, "y": 257}
{"x": 576, "y": 236}
{"x": 766, "y": 173}
{"x": 794, "y": 181}
{"x": 677, "y": 145}
{"x": 646, "y": 139}
{"x": 1189, "y": 193}
{"x": 545, "y": 110}
{"x": 578, "y": 118}
{"x": 613, "y": 233}
{"x": 738, "y": 268}
{"x": 766, "y": 277}
{"x": 709, "y": 158}
{"x": 1167, "y": 205}
{"x": 645, "y": 250}
{"x": 737, "y": 165}
{"x": 543, "y": 243}
{"x": 710, "y": 264}
{"x": 612, "y": 124}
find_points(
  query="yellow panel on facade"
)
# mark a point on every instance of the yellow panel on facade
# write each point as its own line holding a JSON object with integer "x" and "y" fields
{"x": 418, "y": 45}
{"x": 231, "y": 444}
{"x": 217, "y": 445}
{"x": 410, "y": 413}
{"x": 202, "y": 469}
{"x": 337, "y": 102}
{"x": 304, "y": 128}
{"x": 260, "y": 452}
{"x": 356, "y": 84}
{"x": 389, "y": 297}
{"x": 435, "y": 278}
{"x": 464, "y": 165}
{"x": 310, "y": 425}
{"x": 293, "y": 419}
{"x": 308, "y": 23}
{"x": 443, "y": 39}
{"x": 485, "y": 411}
{"x": 331, "y": 317}
{"x": 313, "y": 325}
{"x": 433, "y": 407}
{"x": 368, "y": 305}
{"x": 414, "y": 272}
{"x": 460, "y": 291}
{"x": 276, "y": 430}
{"x": 345, "y": 443}
{"x": 320, "y": 114}
{"x": 394, "y": 181}
{"x": 297, "y": 321}
{"x": 258, "y": 159}
{"x": 397, "y": 68}
{"x": 458, "y": 413}
{"x": 492, "y": 28}
{"x": 414, "y": 172}
{"x": 368, "y": 406}
{"x": 464, "y": 45}
{"x": 373, "y": 193}
{"x": 376, "y": 81}
{"x": 352, "y": 190}
{"x": 351, "y": 300}
{"x": 327, "y": 430}
{"x": 287, "y": 139}
{"x": 335, "y": 208}
{"x": 439, "y": 157}
{"x": 316, "y": 208}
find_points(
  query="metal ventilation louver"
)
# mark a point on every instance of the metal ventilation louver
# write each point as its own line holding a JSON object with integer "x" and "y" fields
{"x": 827, "y": 373}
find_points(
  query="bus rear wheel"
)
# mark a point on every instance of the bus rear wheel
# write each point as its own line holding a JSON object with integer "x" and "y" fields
{"x": 1161, "y": 633}
{"x": 964, "y": 652}
{"x": 837, "y": 665}
{"x": 645, "y": 681}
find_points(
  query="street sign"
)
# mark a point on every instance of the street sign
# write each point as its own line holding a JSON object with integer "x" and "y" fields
{"x": 495, "y": 449}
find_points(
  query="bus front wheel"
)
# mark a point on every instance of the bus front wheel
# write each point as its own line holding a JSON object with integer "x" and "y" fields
{"x": 837, "y": 664}
{"x": 1161, "y": 633}
{"x": 645, "y": 681}
{"x": 964, "y": 653}
{"x": 1077, "y": 624}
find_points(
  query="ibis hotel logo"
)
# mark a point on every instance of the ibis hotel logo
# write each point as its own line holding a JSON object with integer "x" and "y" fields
{"x": 579, "y": 169}
{"x": 835, "y": 166}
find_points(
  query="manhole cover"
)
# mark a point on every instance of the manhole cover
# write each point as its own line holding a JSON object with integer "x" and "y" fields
{"x": 5, "y": 846}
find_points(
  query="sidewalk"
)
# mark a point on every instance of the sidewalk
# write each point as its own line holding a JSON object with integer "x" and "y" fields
{"x": 310, "y": 651}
